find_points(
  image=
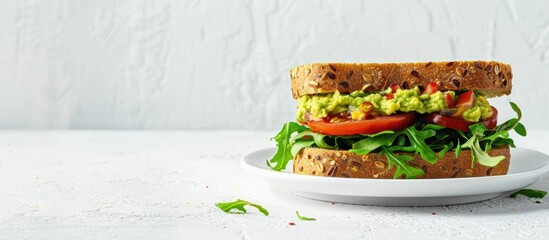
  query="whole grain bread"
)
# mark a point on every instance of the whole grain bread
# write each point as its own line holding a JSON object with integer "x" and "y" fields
{"x": 490, "y": 78}
{"x": 342, "y": 163}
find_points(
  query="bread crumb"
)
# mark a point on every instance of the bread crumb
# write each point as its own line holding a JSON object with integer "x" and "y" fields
{"x": 291, "y": 223}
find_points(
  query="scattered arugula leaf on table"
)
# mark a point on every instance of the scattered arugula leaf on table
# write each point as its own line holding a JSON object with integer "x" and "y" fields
{"x": 304, "y": 218}
{"x": 238, "y": 206}
{"x": 531, "y": 193}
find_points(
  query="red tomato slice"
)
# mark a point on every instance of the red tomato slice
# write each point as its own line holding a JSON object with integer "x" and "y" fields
{"x": 390, "y": 96}
{"x": 449, "y": 100}
{"x": 431, "y": 88}
{"x": 466, "y": 99}
{"x": 460, "y": 124}
{"x": 369, "y": 126}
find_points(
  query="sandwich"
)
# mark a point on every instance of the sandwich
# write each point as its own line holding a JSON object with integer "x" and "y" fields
{"x": 398, "y": 120}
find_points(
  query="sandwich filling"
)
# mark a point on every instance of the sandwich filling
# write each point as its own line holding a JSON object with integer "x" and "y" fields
{"x": 425, "y": 121}
{"x": 318, "y": 107}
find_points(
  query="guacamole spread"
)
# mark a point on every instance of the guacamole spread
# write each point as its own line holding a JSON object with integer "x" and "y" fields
{"x": 404, "y": 100}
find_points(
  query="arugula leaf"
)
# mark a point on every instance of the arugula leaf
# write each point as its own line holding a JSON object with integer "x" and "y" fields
{"x": 401, "y": 148}
{"x": 516, "y": 109}
{"x": 445, "y": 149}
{"x": 477, "y": 153}
{"x": 531, "y": 193}
{"x": 431, "y": 126}
{"x": 345, "y": 142}
{"x": 400, "y": 162}
{"x": 504, "y": 141}
{"x": 417, "y": 139}
{"x": 480, "y": 155}
{"x": 401, "y": 140}
{"x": 283, "y": 154}
{"x": 478, "y": 129}
{"x": 297, "y": 146}
{"x": 511, "y": 123}
{"x": 304, "y": 218}
{"x": 520, "y": 129}
{"x": 373, "y": 142}
{"x": 317, "y": 137}
{"x": 458, "y": 149}
{"x": 238, "y": 205}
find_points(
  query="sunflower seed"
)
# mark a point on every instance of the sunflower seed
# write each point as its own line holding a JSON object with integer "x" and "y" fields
{"x": 379, "y": 164}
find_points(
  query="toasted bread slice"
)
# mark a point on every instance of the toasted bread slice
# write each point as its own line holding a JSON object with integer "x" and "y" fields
{"x": 342, "y": 163}
{"x": 490, "y": 78}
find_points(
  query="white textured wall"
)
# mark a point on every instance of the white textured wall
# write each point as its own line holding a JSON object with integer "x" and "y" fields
{"x": 224, "y": 64}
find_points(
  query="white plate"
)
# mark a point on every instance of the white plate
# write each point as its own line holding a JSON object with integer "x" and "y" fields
{"x": 527, "y": 166}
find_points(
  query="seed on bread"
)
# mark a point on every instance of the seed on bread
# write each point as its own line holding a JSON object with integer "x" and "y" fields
{"x": 456, "y": 82}
{"x": 312, "y": 83}
{"x": 349, "y": 74}
{"x": 415, "y": 73}
{"x": 320, "y": 168}
{"x": 379, "y": 164}
{"x": 468, "y": 172}
{"x": 367, "y": 77}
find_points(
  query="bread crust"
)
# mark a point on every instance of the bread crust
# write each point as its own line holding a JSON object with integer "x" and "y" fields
{"x": 490, "y": 78}
{"x": 342, "y": 163}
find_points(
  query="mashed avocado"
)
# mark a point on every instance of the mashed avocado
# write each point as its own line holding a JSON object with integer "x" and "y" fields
{"x": 320, "y": 106}
{"x": 480, "y": 110}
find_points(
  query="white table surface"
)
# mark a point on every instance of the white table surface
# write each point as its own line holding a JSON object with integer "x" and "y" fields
{"x": 86, "y": 184}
